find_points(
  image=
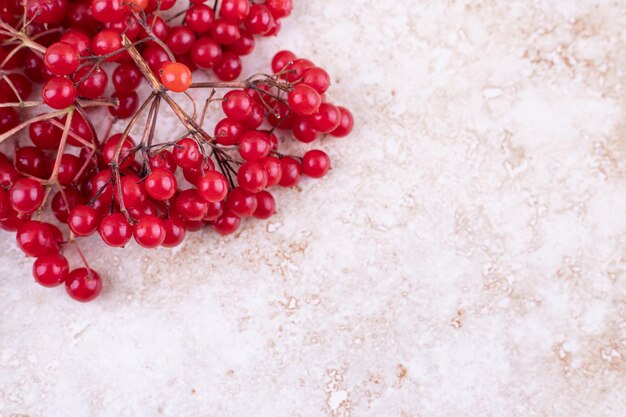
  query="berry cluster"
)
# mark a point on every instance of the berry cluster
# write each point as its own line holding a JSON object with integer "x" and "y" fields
{"x": 123, "y": 188}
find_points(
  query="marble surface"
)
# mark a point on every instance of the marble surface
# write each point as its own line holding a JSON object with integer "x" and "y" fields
{"x": 466, "y": 256}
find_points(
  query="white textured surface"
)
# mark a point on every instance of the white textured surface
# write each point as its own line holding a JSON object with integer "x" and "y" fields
{"x": 466, "y": 256}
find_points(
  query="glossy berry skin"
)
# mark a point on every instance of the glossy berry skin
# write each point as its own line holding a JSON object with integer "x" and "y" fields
{"x": 163, "y": 159}
{"x": 115, "y": 230}
{"x": 190, "y": 205}
{"x": 237, "y": 105}
{"x": 83, "y": 285}
{"x": 32, "y": 161}
{"x": 175, "y": 232}
{"x": 303, "y": 130}
{"x": 304, "y": 100}
{"x": 260, "y": 20}
{"x": 46, "y": 11}
{"x": 315, "y": 163}
{"x": 61, "y": 58}
{"x": 126, "y": 78}
{"x": 227, "y": 132}
{"x": 20, "y": 83}
{"x": 225, "y": 32}
{"x": 9, "y": 118}
{"x": 253, "y": 145}
{"x": 317, "y": 78}
{"x": 61, "y": 205}
{"x": 346, "y": 124}
{"x": 266, "y": 205}
{"x": 241, "y": 202}
{"x": 229, "y": 67}
{"x": 26, "y": 195}
{"x": 186, "y": 153}
{"x": 235, "y": 10}
{"x": 133, "y": 191}
{"x": 59, "y": 93}
{"x": 296, "y": 70}
{"x": 252, "y": 177}
{"x": 180, "y": 40}
{"x": 68, "y": 169}
{"x": 109, "y": 10}
{"x": 161, "y": 184}
{"x": 36, "y": 239}
{"x": 281, "y": 60}
{"x": 51, "y": 270}
{"x": 291, "y": 172}
{"x": 272, "y": 167}
{"x": 199, "y": 18}
{"x": 193, "y": 175}
{"x": 227, "y": 224}
{"x": 149, "y": 232}
{"x": 128, "y": 103}
{"x": 79, "y": 39}
{"x": 327, "y": 118}
{"x": 110, "y": 146}
{"x": 214, "y": 211}
{"x": 244, "y": 45}
{"x": 107, "y": 42}
{"x": 91, "y": 86}
{"x": 213, "y": 186}
{"x": 176, "y": 77}
{"x": 206, "y": 52}
{"x": 83, "y": 220}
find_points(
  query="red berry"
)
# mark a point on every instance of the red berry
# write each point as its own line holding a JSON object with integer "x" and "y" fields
{"x": 260, "y": 20}
{"x": 36, "y": 239}
{"x": 20, "y": 84}
{"x": 161, "y": 184}
{"x": 128, "y": 103}
{"x": 69, "y": 167}
{"x": 229, "y": 67}
{"x": 281, "y": 59}
{"x": 191, "y": 205}
{"x": 51, "y": 270}
{"x": 279, "y": 8}
{"x": 133, "y": 191}
{"x": 109, "y": 10}
{"x": 227, "y": 224}
{"x": 193, "y": 175}
{"x": 115, "y": 230}
{"x": 199, "y": 18}
{"x": 61, "y": 58}
{"x": 244, "y": 45}
{"x": 304, "y": 100}
{"x": 59, "y": 93}
{"x": 46, "y": 11}
{"x": 315, "y": 163}
{"x": 291, "y": 172}
{"x": 303, "y": 129}
{"x": 237, "y": 105}
{"x": 32, "y": 161}
{"x": 327, "y": 118}
{"x": 149, "y": 232}
{"x": 266, "y": 205}
{"x": 109, "y": 149}
{"x": 225, "y": 32}
{"x": 346, "y": 125}
{"x": 107, "y": 42}
{"x": 9, "y": 118}
{"x": 296, "y": 70}
{"x": 241, "y": 202}
{"x": 187, "y": 153}
{"x": 273, "y": 169}
{"x": 214, "y": 211}
{"x": 235, "y": 10}
{"x": 213, "y": 187}
{"x": 253, "y": 145}
{"x": 317, "y": 78}
{"x": 83, "y": 285}
{"x": 63, "y": 202}
{"x": 126, "y": 77}
{"x": 93, "y": 85}
{"x": 206, "y": 53}
{"x": 163, "y": 159}
{"x": 180, "y": 40}
{"x": 83, "y": 220}
{"x": 26, "y": 195}
{"x": 175, "y": 232}
{"x": 252, "y": 177}
{"x": 227, "y": 132}
{"x": 176, "y": 77}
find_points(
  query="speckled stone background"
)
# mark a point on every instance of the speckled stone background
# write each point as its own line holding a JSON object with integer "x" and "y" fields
{"x": 466, "y": 256}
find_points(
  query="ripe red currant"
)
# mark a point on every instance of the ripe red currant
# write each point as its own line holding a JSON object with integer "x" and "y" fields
{"x": 149, "y": 232}
{"x": 252, "y": 177}
{"x": 266, "y": 205}
{"x": 291, "y": 172}
{"x": 175, "y": 232}
{"x": 253, "y": 145}
{"x": 83, "y": 285}
{"x": 58, "y": 93}
{"x": 346, "y": 125}
{"x": 83, "y": 220}
{"x": 304, "y": 100}
{"x": 26, "y": 195}
{"x": 281, "y": 60}
{"x": 187, "y": 153}
{"x": 213, "y": 186}
{"x": 227, "y": 223}
{"x": 315, "y": 163}
{"x": 191, "y": 205}
{"x": 36, "y": 239}
{"x": 61, "y": 58}
{"x": 237, "y": 105}
{"x": 51, "y": 270}
{"x": 115, "y": 230}
{"x": 161, "y": 184}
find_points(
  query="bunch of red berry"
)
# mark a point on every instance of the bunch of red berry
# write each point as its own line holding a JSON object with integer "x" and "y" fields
{"x": 124, "y": 188}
